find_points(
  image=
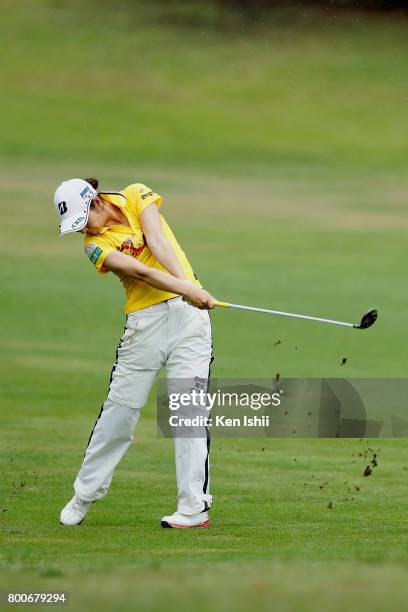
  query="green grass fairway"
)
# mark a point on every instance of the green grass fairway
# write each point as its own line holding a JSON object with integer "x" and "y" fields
{"x": 271, "y": 509}
{"x": 281, "y": 155}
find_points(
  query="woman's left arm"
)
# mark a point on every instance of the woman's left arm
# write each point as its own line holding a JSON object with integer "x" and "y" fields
{"x": 158, "y": 243}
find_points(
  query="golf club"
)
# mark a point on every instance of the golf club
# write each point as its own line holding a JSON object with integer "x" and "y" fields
{"x": 368, "y": 319}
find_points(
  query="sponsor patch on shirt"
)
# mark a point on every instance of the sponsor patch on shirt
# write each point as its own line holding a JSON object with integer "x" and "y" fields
{"x": 131, "y": 249}
{"x": 95, "y": 255}
{"x": 90, "y": 248}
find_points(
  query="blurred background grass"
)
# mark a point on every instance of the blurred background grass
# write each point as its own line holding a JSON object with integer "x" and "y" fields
{"x": 115, "y": 82}
{"x": 278, "y": 141}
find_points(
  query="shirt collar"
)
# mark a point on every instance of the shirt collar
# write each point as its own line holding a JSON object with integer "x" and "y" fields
{"x": 118, "y": 199}
{"x": 115, "y": 197}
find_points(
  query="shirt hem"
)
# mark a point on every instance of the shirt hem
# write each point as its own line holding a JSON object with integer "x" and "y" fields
{"x": 166, "y": 296}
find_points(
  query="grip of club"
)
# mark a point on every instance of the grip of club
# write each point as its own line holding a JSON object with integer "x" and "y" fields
{"x": 223, "y": 304}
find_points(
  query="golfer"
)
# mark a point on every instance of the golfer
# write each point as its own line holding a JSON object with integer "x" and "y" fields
{"x": 167, "y": 324}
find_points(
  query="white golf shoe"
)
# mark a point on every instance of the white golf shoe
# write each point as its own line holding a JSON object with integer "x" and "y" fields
{"x": 74, "y": 512}
{"x": 184, "y": 521}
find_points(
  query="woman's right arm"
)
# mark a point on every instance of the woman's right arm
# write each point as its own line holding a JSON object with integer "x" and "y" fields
{"x": 120, "y": 263}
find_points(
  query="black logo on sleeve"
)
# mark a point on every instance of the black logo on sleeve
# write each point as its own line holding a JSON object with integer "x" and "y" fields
{"x": 62, "y": 207}
{"x": 146, "y": 195}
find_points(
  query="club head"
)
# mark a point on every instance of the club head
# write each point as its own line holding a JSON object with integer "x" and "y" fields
{"x": 368, "y": 319}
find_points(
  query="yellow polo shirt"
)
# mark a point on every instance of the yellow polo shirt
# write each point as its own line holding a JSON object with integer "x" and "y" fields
{"x": 131, "y": 241}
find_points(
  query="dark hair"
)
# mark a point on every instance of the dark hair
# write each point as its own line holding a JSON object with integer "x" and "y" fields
{"x": 93, "y": 181}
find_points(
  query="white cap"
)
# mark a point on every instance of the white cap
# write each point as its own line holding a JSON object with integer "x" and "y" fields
{"x": 72, "y": 200}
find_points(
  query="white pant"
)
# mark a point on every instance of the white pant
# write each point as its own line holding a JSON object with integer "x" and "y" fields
{"x": 174, "y": 334}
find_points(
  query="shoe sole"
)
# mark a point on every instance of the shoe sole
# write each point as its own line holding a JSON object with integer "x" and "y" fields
{"x": 74, "y": 525}
{"x": 167, "y": 525}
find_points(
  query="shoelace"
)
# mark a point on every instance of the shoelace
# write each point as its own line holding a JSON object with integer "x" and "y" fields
{"x": 79, "y": 505}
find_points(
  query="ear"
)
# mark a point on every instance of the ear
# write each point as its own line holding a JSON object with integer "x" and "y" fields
{"x": 97, "y": 202}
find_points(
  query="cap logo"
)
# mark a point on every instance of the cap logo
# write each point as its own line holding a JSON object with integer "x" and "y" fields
{"x": 62, "y": 207}
{"x": 87, "y": 193}
{"x": 77, "y": 222}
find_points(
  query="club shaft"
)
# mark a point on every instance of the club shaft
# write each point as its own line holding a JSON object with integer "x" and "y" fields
{"x": 290, "y": 314}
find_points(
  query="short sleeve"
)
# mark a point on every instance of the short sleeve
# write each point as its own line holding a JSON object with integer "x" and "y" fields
{"x": 142, "y": 196}
{"x": 97, "y": 249}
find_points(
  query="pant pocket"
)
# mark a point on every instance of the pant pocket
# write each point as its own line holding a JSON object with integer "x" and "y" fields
{"x": 200, "y": 322}
{"x": 205, "y": 324}
{"x": 129, "y": 333}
